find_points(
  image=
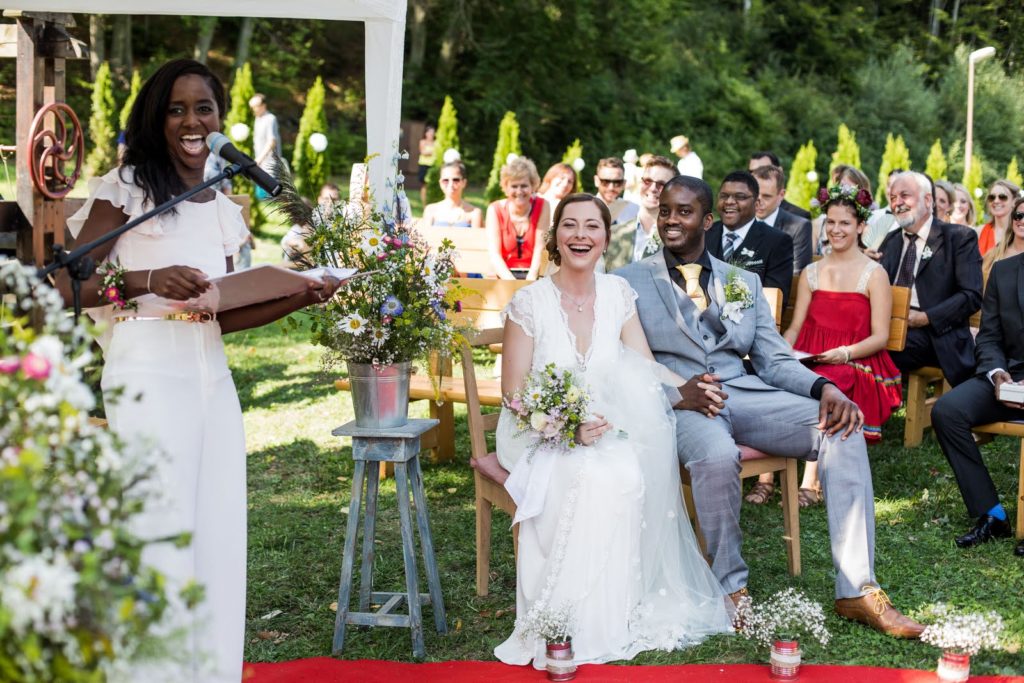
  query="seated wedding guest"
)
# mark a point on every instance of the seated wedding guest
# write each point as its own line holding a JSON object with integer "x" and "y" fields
{"x": 843, "y": 307}
{"x": 166, "y": 353}
{"x": 768, "y": 158}
{"x": 779, "y": 406}
{"x": 941, "y": 265}
{"x": 844, "y": 174}
{"x": 294, "y": 241}
{"x": 740, "y": 239}
{"x": 771, "y": 181}
{"x": 558, "y": 182}
{"x": 1000, "y": 200}
{"x": 945, "y": 195}
{"x": 517, "y": 224}
{"x": 610, "y": 180}
{"x": 963, "y": 212}
{"x": 1012, "y": 242}
{"x": 1000, "y": 354}
{"x": 637, "y": 239}
{"x": 689, "y": 163}
{"x": 453, "y": 211}
{"x": 602, "y": 532}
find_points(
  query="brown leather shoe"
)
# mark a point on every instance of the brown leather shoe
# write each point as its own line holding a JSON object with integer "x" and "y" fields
{"x": 739, "y": 595}
{"x": 875, "y": 609}
{"x": 741, "y": 600}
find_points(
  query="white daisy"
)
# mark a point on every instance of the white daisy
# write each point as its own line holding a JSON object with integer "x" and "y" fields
{"x": 354, "y": 324}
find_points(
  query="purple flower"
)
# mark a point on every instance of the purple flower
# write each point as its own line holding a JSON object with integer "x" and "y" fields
{"x": 392, "y": 307}
{"x": 458, "y": 307}
{"x": 440, "y": 311}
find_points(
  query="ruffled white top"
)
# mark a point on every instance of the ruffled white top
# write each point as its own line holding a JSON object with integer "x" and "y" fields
{"x": 198, "y": 235}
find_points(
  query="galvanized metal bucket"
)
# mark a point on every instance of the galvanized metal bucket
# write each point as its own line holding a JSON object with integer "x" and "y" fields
{"x": 380, "y": 395}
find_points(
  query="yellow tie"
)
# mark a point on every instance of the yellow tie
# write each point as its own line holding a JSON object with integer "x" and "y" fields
{"x": 691, "y": 273}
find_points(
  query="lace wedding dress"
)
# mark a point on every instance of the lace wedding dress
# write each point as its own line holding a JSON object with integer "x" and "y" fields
{"x": 602, "y": 528}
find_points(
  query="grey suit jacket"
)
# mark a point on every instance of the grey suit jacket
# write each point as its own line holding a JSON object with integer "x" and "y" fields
{"x": 676, "y": 343}
{"x": 800, "y": 230}
{"x": 620, "y": 246}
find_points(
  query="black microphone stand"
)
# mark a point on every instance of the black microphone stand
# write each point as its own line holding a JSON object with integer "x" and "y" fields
{"x": 81, "y": 266}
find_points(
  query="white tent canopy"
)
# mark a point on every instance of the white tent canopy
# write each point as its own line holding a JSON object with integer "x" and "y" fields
{"x": 385, "y": 36}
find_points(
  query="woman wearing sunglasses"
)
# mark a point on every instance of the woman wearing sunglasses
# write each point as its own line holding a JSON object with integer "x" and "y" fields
{"x": 516, "y": 226}
{"x": 1000, "y": 202}
{"x": 453, "y": 211}
{"x": 1012, "y": 242}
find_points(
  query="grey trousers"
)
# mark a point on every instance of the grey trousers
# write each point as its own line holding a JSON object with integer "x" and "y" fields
{"x": 779, "y": 423}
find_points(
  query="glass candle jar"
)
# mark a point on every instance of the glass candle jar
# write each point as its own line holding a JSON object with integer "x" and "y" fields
{"x": 560, "y": 664}
{"x": 785, "y": 659}
{"x": 954, "y": 667}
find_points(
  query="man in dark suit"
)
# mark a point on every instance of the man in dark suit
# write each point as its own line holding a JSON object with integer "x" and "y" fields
{"x": 1000, "y": 354}
{"x": 766, "y": 158}
{"x": 941, "y": 264}
{"x": 772, "y": 183}
{"x": 742, "y": 240}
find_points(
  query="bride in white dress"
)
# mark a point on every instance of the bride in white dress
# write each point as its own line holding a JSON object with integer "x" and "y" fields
{"x": 602, "y": 528}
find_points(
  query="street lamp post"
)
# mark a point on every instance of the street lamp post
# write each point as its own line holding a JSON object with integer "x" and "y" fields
{"x": 972, "y": 59}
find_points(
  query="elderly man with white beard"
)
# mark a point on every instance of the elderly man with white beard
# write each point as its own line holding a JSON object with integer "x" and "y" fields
{"x": 941, "y": 265}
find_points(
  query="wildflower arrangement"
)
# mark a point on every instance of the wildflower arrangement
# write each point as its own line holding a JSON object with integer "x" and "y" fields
{"x": 553, "y": 403}
{"x": 787, "y": 613}
{"x": 963, "y": 632}
{"x": 859, "y": 197}
{"x": 736, "y": 296}
{"x": 75, "y": 600}
{"x": 399, "y": 307}
{"x": 552, "y": 624}
{"x": 112, "y": 286}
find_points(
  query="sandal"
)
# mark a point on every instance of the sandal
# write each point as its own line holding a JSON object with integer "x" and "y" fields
{"x": 808, "y": 497}
{"x": 760, "y": 493}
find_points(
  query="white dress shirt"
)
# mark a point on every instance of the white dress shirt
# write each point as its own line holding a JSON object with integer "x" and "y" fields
{"x": 772, "y": 217}
{"x": 919, "y": 245}
{"x": 641, "y": 239}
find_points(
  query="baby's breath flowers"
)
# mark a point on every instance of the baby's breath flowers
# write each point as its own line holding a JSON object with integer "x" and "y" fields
{"x": 787, "y": 613}
{"x": 963, "y": 632}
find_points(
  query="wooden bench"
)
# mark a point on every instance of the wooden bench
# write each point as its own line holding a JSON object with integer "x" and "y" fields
{"x": 1016, "y": 429}
{"x": 471, "y": 251}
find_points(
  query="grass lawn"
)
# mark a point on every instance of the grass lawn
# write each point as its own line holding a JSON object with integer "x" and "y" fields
{"x": 299, "y": 487}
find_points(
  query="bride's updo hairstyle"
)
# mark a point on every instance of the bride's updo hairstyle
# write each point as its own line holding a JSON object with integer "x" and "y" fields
{"x": 552, "y": 240}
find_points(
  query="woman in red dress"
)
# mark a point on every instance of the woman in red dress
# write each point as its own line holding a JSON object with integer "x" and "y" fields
{"x": 517, "y": 225}
{"x": 842, "y": 313}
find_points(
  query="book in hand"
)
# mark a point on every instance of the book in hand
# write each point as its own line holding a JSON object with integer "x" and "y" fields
{"x": 804, "y": 357}
{"x": 1011, "y": 392}
{"x": 261, "y": 283}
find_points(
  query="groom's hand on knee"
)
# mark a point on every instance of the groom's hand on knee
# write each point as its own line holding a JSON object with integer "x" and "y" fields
{"x": 702, "y": 394}
{"x": 837, "y": 413}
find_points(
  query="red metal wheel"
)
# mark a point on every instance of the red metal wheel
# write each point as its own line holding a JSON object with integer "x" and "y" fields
{"x": 52, "y": 153}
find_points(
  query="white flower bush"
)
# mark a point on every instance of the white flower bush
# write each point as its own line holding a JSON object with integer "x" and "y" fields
{"x": 964, "y": 632}
{"x": 787, "y": 613}
{"x": 74, "y": 595}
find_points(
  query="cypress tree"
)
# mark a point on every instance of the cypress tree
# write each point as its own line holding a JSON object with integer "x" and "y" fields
{"x": 936, "y": 165}
{"x": 133, "y": 92}
{"x": 447, "y": 137}
{"x": 309, "y": 167}
{"x": 102, "y": 121}
{"x": 803, "y": 179}
{"x": 508, "y": 143}
{"x": 572, "y": 153}
{"x": 847, "y": 150}
{"x": 242, "y": 91}
{"x": 896, "y": 155}
{"x": 973, "y": 182}
{"x": 1013, "y": 172}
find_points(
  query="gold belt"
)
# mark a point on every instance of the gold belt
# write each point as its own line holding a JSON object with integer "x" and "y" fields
{"x": 188, "y": 316}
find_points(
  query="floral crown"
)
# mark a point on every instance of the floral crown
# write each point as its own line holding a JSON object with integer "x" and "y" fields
{"x": 859, "y": 197}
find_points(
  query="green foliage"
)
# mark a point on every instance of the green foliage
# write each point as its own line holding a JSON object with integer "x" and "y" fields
{"x": 800, "y": 188}
{"x": 572, "y": 153}
{"x": 935, "y": 167}
{"x": 102, "y": 124}
{"x": 447, "y": 137}
{"x": 1013, "y": 172}
{"x": 974, "y": 181}
{"x": 896, "y": 155}
{"x": 309, "y": 167}
{"x": 133, "y": 92}
{"x": 847, "y": 151}
{"x": 508, "y": 143}
{"x": 239, "y": 112}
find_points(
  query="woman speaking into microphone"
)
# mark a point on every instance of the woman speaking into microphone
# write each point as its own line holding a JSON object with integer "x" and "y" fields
{"x": 172, "y": 358}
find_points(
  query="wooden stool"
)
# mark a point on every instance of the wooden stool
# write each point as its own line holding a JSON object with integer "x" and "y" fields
{"x": 401, "y": 446}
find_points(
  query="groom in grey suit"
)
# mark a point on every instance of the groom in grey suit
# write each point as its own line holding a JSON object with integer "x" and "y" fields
{"x": 699, "y": 331}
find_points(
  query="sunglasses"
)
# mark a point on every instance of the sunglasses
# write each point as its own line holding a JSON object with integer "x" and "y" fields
{"x": 998, "y": 197}
{"x": 660, "y": 184}
{"x": 1018, "y": 216}
{"x": 614, "y": 182}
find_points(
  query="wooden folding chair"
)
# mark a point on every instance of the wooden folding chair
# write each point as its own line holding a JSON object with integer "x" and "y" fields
{"x": 1015, "y": 428}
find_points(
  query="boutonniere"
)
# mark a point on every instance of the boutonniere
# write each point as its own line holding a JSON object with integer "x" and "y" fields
{"x": 746, "y": 252}
{"x": 926, "y": 253}
{"x": 736, "y": 296}
{"x": 653, "y": 244}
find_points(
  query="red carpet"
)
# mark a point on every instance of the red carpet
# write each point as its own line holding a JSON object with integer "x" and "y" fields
{"x": 326, "y": 670}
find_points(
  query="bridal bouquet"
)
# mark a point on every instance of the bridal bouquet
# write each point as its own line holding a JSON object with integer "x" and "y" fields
{"x": 552, "y": 404}
{"x": 963, "y": 633}
{"x": 75, "y": 600}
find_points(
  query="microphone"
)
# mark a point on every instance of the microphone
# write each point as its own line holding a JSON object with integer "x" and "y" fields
{"x": 220, "y": 145}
